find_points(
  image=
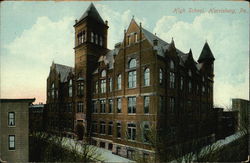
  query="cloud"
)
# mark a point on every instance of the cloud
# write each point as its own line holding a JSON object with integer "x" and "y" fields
{"x": 117, "y": 21}
{"x": 25, "y": 65}
{"x": 228, "y": 40}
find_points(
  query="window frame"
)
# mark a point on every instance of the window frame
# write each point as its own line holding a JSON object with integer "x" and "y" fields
{"x": 146, "y": 77}
{"x": 131, "y": 105}
{"x": 131, "y": 131}
{"x": 9, "y": 119}
{"x": 14, "y": 142}
{"x": 146, "y": 104}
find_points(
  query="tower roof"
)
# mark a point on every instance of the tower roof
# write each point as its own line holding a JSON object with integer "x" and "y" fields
{"x": 91, "y": 12}
{"x": 206, "y": 53}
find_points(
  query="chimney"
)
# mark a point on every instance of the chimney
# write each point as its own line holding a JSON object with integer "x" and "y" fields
{"x": 106, "y": 22}
{"x": 76, "y": 21}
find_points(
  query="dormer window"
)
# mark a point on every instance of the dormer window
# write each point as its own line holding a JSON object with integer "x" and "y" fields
{"x": 136, "y": 37}
{"x": 171, "y": 65}
{"x": 129, "y": 40}
{"x": 189, "y": 73}
{"x": 103, "y": 73}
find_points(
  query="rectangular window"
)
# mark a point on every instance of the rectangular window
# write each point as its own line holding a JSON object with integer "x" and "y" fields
{"x": 161, "y": 102}
{"x": 132, "y": 105}
{"x": 79, "y": 107}
{"x": 11, "y": 119}
{"x": 172, "y": 104}
{"x": 94, "y": 126}
{"x": 110, "y": 106}
{"x": 69, "y": 107}
{"x": 80, "y": 88}
{"x": 119, "y": 105}
{"x": 146, "y": 104}
{"x": 110, "y": 128}
{"x": 103, "y": 86}
{"x": 132, "y": 79}
{"x": 118, "y": 130}
{"x": 102, "y": 127}
{"x": 12, "y": 144}
{"x": 103, "y": 104}
{"x": 131, "y": 131}
{"x": 95, "y": 106}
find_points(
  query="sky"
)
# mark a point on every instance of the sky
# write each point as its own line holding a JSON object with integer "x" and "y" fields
{"x": 33, "y": 34}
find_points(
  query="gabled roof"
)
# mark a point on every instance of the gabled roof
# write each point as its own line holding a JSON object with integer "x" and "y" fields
{"x": 91, "y": 12}
{"x": 206, "y": 53}
{"x": 63, "y": 70}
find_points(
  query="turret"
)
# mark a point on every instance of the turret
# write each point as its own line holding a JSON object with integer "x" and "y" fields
{"x": 207, "y": 60}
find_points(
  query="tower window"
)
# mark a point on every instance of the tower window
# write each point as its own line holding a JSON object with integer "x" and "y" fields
{"x": 101, "y": 41}
{"x": 96, "y": 39}
{"x": 92, "y": 37}
{"x": 70, "y": 88}
{"x": 160, "y": 76}
{"x": 181, "y": 86}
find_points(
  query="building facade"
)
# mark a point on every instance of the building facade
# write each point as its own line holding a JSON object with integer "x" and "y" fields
{"x": 14, "y": 129}
{"x": 143, "y": 85}
{"x": 242, "y": 106}
{"x": 36, "y": 118}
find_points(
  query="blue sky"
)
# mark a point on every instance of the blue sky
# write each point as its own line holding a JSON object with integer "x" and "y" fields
{"x": 33, "y": 34}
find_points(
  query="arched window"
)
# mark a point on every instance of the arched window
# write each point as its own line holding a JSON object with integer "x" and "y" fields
{"x": 171, "y": 64}
{"x": 70, "y": 88}
{"x": 172, "y": 80}
{"x": 119, "y": 81}
{"x": 53, "y": 90}
{"x": 160, "y": 76}
{"x": 146, "y": 77}
{"x": 132, "y": 63}
{"x": 103, "y": 73}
